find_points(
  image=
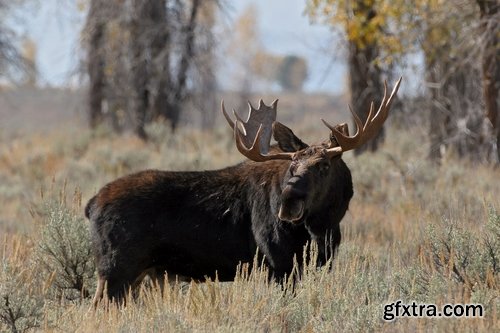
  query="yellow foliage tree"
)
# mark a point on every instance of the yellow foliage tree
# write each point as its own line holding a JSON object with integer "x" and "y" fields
{"x": 364, "y": 22}
{"x": 371, "y": 47}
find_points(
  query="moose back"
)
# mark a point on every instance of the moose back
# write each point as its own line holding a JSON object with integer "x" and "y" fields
{"x": 203, "y": 224}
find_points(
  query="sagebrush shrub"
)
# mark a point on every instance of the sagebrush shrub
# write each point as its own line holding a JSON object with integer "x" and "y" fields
{"x": 20, "y": 308}
{"x": 63, "y": 252}
{"x": 470, "y": 258}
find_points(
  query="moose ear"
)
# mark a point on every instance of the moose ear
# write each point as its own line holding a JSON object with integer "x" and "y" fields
{"x": 287, "y": 141}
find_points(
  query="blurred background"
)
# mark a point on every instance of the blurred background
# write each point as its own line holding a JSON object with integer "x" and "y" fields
{"x": 92, "y": 90}
{"x": 125, "y": 64}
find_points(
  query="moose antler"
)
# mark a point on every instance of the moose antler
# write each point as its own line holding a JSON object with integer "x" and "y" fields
{"x": 257, "y": 131}
{"x": 364, "y": 132}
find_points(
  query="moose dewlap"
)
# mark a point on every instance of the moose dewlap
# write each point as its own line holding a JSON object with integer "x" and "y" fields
{"x": 203, "y": 224}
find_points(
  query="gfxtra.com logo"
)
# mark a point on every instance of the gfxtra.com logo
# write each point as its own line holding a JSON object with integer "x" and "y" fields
{"x": 399, "y": 309}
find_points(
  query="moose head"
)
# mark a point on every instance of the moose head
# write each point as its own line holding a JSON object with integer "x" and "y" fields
{"x": 311, "y": 165}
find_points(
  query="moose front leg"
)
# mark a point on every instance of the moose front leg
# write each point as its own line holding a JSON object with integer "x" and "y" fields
{"x": 327, "y": 244}
{"x": 327, "y": 238}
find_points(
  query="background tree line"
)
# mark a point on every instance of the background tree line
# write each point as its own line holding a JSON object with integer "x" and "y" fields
{"x": 147, "y": 59}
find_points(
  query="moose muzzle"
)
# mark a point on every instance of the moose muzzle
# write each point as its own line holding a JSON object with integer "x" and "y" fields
{"x": 293, "y": 200}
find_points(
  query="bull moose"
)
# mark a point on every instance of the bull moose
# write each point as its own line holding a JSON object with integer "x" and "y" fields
{"x": 204, "y": 224}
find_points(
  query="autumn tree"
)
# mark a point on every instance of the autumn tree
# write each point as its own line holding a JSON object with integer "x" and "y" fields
{"x": 370, "y": 47}
{"x": 448, "y": 33}
{"x": 452, "y": 36}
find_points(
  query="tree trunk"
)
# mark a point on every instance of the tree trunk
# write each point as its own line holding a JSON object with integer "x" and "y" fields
{"x": 160, "y": 57}
{"x": 95, "y": 27}
{"x": 490, "y": 16}
{"x": 139, "y": 99}
{"x": 186, "y": 59}
{"x": 208, "y": 105}
{"x": 365, "y": 80}
{"x": 440, "y": 113}
{"x": 207, "y": 66}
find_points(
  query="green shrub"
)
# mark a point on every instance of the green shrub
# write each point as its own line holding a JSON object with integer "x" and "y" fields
{"x": 63, "y": 253}
{"x": 471, "y": 258}
{"x": 20, "y": 308}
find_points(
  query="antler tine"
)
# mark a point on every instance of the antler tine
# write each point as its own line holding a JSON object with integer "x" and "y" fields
{"x": 253, "y": 135}
{"x": 381, "y": 108}
{"x": 339, "y": 135}
{"x": 387, "y": 102}
{"x": 229, "y": 120}
{"x": 367, "y": 131}
{"x": 327, "y": 124}
{"x": 374, "y": 124}
{"x": 359, "y": 124}
{"x": 394, "y": 92}
{"x": 254, "y": 153}
{"x": 237, "y": 116}
{"x": 261, "y": 103}
{"x": 371, "y": 115}
{"x": 274, "y": 104}
{"x": 345, "y": 141}
{"x": 250, "y": 106}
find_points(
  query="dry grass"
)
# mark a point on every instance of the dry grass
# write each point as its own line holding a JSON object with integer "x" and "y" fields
{"x": 410, "y": 228}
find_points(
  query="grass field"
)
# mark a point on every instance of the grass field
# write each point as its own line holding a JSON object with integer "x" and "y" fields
{"x": 415, "y": 231}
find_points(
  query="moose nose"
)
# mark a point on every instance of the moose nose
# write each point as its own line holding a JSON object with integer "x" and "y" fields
{"x": 296, "y": 187}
